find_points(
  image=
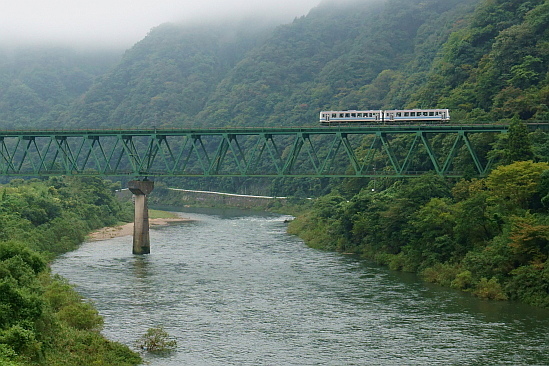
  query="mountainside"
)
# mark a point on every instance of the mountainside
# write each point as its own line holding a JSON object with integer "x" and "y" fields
{"x": 345, "y": 56}
{"x": 497, "y": 66}
{"x": 484, "y": 59}
{"x": 341, "y": 55}
{"x": 167, "y": 76}
{"x": 38, "y": 84}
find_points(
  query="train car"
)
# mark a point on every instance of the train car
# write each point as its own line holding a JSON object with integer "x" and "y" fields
{"x": 416, "y": 115}
{"x": 335, "y": 117}
{"x": 391, "y": 116}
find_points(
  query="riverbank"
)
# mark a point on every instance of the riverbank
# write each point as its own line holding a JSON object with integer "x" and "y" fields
{"x": 127, "y": 229}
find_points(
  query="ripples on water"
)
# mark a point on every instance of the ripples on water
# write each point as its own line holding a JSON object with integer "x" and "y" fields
{"x": 237, "y": 290}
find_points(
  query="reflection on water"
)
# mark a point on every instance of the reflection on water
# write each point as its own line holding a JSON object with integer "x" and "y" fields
{"x": 235, "y": 289}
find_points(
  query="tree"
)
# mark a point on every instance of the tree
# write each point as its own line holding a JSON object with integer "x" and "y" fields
{"x": 529, "y": 240}
{"x": 514, "y": 185}
{"x": 519, "y": 147}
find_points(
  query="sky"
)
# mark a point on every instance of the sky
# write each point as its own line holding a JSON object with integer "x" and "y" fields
{"x": 122, "y": 23}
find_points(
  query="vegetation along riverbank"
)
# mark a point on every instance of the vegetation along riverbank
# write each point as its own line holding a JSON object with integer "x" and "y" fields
{"x": 486, "y": 236}
{"x": 43, "y": 321}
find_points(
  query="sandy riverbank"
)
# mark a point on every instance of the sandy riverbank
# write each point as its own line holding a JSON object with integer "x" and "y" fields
{"x": 127, "y": 229}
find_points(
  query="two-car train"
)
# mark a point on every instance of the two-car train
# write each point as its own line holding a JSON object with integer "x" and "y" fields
{"x": 392, "y": 116}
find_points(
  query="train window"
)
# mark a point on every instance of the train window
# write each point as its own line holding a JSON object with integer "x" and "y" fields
{"x": 399, "y": 114}
{"x": 334, "y": 115}
{"x": 431, "y": 114}
{"x": 406, "y": 114}
{"x": 341, "y": 115}
{"x": 412, "y": 114}
{"x": 353, "y": 115}
{"x": 359, "y": 115}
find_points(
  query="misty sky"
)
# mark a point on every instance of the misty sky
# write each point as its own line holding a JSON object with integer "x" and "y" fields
{"x": 121, "y": 23}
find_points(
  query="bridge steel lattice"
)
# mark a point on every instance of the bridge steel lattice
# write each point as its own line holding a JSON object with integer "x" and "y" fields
{"x": 344, "y": 151}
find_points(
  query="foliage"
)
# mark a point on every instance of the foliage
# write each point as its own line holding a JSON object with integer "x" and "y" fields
{"x": 490, "y": 289}
{"x": 43, "y": 321}
{"x": 515, "y": 185}
{"x": 39, "y": 84}
{"x": 156, "y": 340}
{"x": 485, "y": 236}
{"x": 519, "y": 146}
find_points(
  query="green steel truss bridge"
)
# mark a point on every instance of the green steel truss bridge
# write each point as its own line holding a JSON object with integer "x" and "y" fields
{"x": 345, "y": 151}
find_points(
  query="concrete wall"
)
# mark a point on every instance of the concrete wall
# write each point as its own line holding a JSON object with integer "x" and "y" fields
{"x": 182, "y": 197}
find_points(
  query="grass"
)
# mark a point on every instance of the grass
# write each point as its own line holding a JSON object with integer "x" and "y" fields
{"x": 159, "y": 214}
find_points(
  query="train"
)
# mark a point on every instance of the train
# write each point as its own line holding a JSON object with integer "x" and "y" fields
{"x": 391, "y": 116}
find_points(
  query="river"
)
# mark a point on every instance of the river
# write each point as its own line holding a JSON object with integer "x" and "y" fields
{"x": 234, "y": 289}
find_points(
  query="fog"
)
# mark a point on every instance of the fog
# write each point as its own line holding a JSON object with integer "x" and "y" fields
{"x": 121, "y": 23}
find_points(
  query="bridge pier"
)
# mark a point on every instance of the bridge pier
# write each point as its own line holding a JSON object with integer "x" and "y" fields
{"x": 141, "y": 240}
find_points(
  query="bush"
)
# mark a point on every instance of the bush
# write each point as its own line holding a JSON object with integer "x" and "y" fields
{"x": 463, "y": 281}
{"x": 81, "y": 316}
{"x": 489, "y": 289}
{"x": 530, "y": 284}
{"x": 441, "y": 273}
{"x": 156, "y": 340}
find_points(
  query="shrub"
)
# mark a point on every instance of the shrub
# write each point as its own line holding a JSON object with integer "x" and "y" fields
{"x": 156, "y": 340}
{"x": 530, "y": 284}
{"x": 81, "y": 315}
{"x": 441, "y": 273}
{"x": 463, "y": 281}
{"x": 489, "y": 289}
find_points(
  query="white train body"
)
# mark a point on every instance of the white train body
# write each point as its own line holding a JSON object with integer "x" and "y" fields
{"x": 391, "y": 116}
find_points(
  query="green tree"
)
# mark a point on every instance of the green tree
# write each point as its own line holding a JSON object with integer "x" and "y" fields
{"x": 519, "y": 147}
{"x": 515, "y": 185}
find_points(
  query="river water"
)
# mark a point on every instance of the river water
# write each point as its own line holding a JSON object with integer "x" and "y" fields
{"x": 234, "y": 289}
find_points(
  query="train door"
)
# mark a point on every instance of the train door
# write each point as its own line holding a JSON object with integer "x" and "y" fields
{"x": 443, "y": 116}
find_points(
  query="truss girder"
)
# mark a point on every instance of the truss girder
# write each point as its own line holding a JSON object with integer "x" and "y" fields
{"x": 264, "y": 152}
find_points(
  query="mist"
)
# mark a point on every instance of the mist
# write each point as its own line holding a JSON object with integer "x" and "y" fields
{"x": 121, "y": 23}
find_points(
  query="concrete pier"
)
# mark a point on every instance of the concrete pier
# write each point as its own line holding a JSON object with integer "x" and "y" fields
{"x": 141, "y": 240}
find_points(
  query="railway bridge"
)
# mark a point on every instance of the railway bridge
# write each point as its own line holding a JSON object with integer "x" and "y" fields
{"x": 342, "y": 151}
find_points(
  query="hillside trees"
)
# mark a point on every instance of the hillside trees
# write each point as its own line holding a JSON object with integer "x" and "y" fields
{"x": 167, "y": 77}
{"x": 346, "y": 55}
{"x": 43, "y": 321}
{"x": 497, "y": 64}
{"x": 38, "y": 85}
{"x": 488, "y": 236}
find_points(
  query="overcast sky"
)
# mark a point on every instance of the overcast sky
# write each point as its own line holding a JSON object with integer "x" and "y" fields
{"x": 121, "y": 22}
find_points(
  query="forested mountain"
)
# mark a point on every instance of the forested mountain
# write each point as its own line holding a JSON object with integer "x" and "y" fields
{"x": 497, "y": 66}
{"x": 483, "y": 59}
{"x": 352, "y": 54}
{"x": 38, "y": 84}
{"x": 168, "y": 76}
